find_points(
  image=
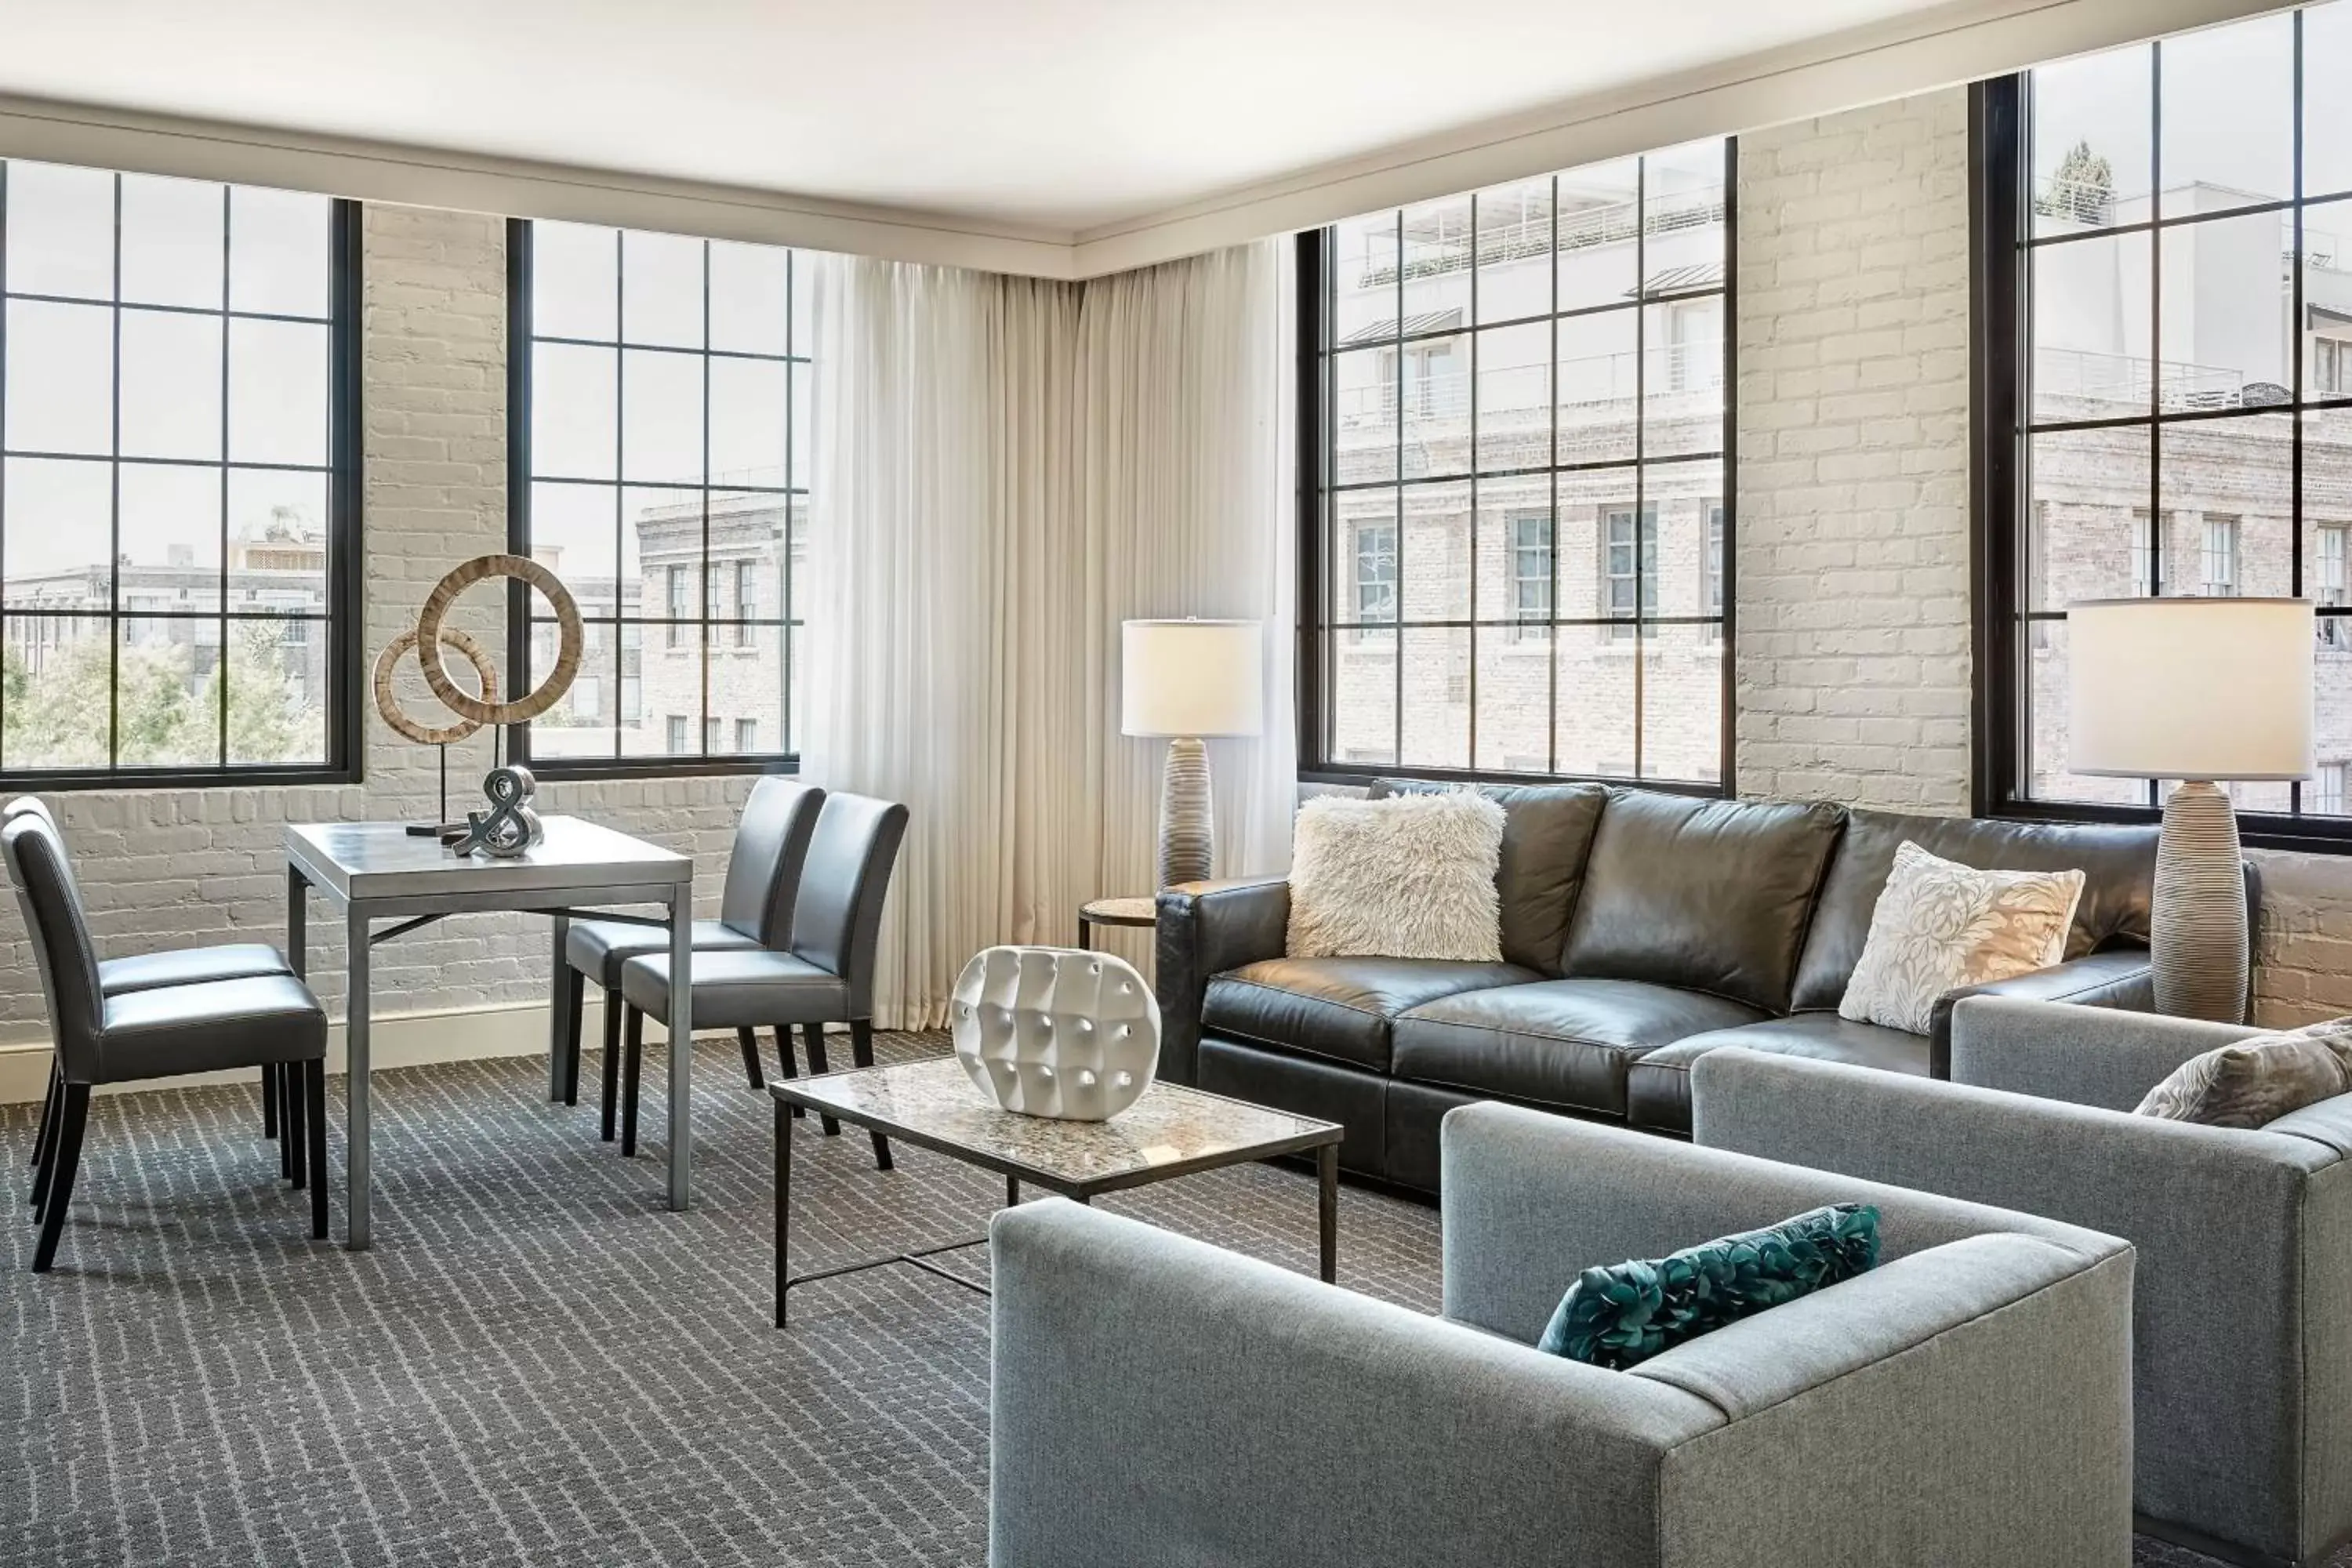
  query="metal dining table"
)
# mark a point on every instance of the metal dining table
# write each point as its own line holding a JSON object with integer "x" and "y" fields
{"x": 377, "y": 870}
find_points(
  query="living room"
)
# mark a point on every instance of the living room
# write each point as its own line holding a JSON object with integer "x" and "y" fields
{"x": 1545, "y": 790}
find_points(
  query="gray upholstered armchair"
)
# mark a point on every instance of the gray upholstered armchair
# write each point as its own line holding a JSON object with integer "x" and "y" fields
{"x": 1158, "y": 1402}
{"x": 2244, "y": 1309}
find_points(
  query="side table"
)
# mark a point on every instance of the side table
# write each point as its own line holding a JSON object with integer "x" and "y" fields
{"x": 1142, "y": 911}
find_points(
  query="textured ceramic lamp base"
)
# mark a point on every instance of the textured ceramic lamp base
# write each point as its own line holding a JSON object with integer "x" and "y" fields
{"x": 1187, "y": 833}
{"x": 2198, "y": 934}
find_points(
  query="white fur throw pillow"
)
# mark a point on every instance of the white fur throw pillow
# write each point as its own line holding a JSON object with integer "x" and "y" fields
{"x": 1408, "y": 876}
{"x": 1940, "y": 925}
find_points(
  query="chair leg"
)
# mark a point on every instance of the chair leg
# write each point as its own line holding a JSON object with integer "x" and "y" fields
{"x": 285, "y": 1122}
{"x": 314, "y": 1089}
{"x": 633, "y": 1052}
{"x": 861, "y": 1051}
{"x": 73, "y": 1115}
{"x": 46, "y": 1137}
{"x": 269, "y": 1100}
{"x": 750, "y": 1044}
{"x": 784, "y": 1068}
{"x": 575, "y": 1002}
{"x": 612, "y": 1066}
{"x": 813, "y": 1039}
{"x": 297, "y": 1148}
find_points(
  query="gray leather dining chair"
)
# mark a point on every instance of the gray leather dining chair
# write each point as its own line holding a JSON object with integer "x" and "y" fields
{"x": 755, "y": 909}
{"x": 178, "y": 966}
{"x": 825, "y": 976}
{"x": 159, "y": 1032}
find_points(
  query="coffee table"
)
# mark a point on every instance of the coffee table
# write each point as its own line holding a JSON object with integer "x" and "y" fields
{"x": 1171, "y": 1132}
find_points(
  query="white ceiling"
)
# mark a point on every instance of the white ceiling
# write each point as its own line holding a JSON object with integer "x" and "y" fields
{"x": 1053, "y": 115}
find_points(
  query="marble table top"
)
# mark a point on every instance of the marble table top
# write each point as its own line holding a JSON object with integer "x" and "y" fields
{"x": 1168, "y": 1132}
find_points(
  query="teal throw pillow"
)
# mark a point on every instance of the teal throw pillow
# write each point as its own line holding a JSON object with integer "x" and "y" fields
{"x": 1624, "y": 1314}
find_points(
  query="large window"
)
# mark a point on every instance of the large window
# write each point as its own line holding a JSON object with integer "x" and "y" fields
{"x": 660, "y": 456}
{"x": 1516, "y": 430}
{"x": 2164, "y": 280}
{"x": 178, "y": 457}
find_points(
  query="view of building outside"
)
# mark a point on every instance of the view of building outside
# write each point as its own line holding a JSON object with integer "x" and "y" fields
{"x": 1526, "y": 521}
{"x": 667, "y": 455}
{"x": 2192, "y": 354}
{"x": 165, "y": 471}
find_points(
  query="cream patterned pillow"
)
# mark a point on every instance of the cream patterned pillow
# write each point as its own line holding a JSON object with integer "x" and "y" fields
{"x": 1939, "y": 926}
{"x": 1408, "y": 876}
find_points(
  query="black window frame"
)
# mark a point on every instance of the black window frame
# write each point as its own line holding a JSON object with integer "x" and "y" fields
{"x": 343, "y": 616}
{"x": 2001, "y": 400}
{"x": 626, "y": 672}
{"x": 1322, "y": 554}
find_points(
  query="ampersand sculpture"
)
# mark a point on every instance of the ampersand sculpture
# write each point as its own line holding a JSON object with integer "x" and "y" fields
{"x": 511, "y": 827}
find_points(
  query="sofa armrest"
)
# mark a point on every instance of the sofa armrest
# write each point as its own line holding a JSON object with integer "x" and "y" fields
{"x": 1205, "y": 929}
{"x": 1530, "y": 1200}
{"x": 2122, "y": 977}
{"x": 2089, "y": 1056}
{"x": 1156, "y": 1402}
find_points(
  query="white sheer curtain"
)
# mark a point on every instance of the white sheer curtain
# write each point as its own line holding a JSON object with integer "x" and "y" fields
{"x": 1006, "y": 470}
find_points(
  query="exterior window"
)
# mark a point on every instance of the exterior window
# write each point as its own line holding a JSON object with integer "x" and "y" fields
{"x": 747, "y": 734}
{"x": 1629, "y": 555}
{"x": 178, "y": 481}
{"x": 2331, "y": 365}
{"x": 1498, "y": 377}
{"x": 677, "y": 733}
{"x": 2151, "y": 217}
{"x": 2324, "y": 794}
{"x": 660, "y": 447}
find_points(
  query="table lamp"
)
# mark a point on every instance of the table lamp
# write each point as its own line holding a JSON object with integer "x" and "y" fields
{"x": 2198, "y": 691}
{"x": 1186, "y": 681}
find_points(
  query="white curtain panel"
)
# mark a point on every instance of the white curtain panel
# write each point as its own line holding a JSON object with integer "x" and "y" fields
{"x": 1007, "y": 468}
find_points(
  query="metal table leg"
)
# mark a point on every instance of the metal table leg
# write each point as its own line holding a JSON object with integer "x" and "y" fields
{"x": 556, "y": 1012}
{"x": 1327, "y": 1181}
{"x": 783, "y": 1205}
{"x": 355, "y": 1084}
{"x": 681, "y": 1045}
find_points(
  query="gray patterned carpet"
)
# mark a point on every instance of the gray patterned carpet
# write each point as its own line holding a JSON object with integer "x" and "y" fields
{"x": 536, "y": 1364}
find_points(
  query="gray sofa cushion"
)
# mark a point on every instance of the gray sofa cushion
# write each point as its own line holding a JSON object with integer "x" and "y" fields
{"x": 1337, "y": 1007}
{"x": 2118, "y": 865}
{"x": 1658, "y": 1086}
{"x": 1557, "y": 1042}
{"x": 1547, "y": 834}
{"x": 1704, "y": 894}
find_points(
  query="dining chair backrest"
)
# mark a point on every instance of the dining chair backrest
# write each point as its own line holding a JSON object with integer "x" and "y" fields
{"x": 34, "y": 805}
{"x": 62, "y": 948}
{"x": 837, "y": 921}
{"x": 771, "y": 850}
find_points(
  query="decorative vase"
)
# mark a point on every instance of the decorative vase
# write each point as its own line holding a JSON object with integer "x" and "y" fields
{"x": 1053, "y": 1031}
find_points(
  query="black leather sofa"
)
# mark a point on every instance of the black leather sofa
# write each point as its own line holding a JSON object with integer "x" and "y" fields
{"x": 1640, "y": 930}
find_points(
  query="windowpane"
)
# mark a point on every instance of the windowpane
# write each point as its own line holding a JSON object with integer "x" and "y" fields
{"x": 2092, "y": 332}
{"x": 1682, "y": 705}
{"x": 748, "y": 425}
{"x": 749, "y": 308}
{"x": 1361, "y": 705}
{"x": 281, "y": 252}
{"x": 1599, "y": 375}
{"x": 1435, "y": 400}
{"x": 2325, "y": 264}
{"x": 67, "y": 353}
{"x": 661, "y": 289}
{"x": 60, "y": 231}
{"x": 1364, "y": 415}
{"x": 59, "y": 542}
{"x": 574, "y": 532}
{"x": 2227, "y": 505}
{"x": 803, "y": 456}
{"x": 171, "y": 403}
{"x": 2229, "y": 116}
{"x": 661, "y": 417}
{"x": 2326, "y": 128}
{"x": 170, "y": 538}
{"x": 1683, "y": 220}
{"x": 171, "y": 242}
{"x": 2222, "y": 287}
{"x": 167, "y": 694}
{"x": 2089, "y": 536}
{"x": 574, "y": 404}
{"x": 1598, "y": 219}
{"x": 1364, "y": 279}
{"x": 1364, "y": 571}
{"x": 659, "y": 529}
{"x": 1433, "y": 565}
{"x": 277, "y": 691}
{"x": 574, "y": 288}
{"x": 1436, "y": 698}
{"x": 1593, "y": 731}
{"x": 1514, "y": 226}
{"x": 1682, "y": 379}
{"x": 2092, "y": 122}
{"x": 1514, "y": 398}
{"x": 672, "y": 673}
{"x": 1514, "y": 550}
{"x": 1436, "y": 247}
{"x": 278, "y": 375}
{"x": 57, "y": 711}
{"x": 583, "y": 724}
{"x": 1514, "y": 729}
{"x": 277, "y": 541}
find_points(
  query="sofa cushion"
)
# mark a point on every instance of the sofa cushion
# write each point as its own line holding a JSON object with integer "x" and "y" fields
{"x": 1701, "y": 895}
{"x": 1658, "y": 1088}
{"x": 1337, "y": 1007}
{"x": 1547, "y": 835}
{"x": 1556, "y": 1042}
{"x": 2118, "y": 864}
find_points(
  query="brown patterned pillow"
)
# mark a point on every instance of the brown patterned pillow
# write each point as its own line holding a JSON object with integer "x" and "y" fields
{"x": 2258, "y": 1079}
{"x": 1940, "y": 925}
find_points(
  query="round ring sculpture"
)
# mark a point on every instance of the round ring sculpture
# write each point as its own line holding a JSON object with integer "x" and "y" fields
{"x": 388, "y": 705}
{"x": 486, "y": 708}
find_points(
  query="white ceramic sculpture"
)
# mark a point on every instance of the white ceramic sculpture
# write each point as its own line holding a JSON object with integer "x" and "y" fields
{"x": 1052, "y": 1031}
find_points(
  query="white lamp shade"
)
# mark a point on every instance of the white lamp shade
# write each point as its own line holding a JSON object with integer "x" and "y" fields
{"x": 1194, "y": 679}
{"x": 2189, "y": 689}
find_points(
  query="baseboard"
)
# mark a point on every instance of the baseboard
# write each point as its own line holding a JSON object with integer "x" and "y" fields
{"x": 399, "y": 1041}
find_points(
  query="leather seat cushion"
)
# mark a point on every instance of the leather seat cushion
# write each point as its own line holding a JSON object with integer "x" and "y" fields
{"x": 598, "y": 948}
{"x": 1659, "y": 1085}
{"x": 1557, "y": 1042}
{"x": 735, "y": 989}
{"x": 1339, "y": 1008}
{"x": 206, "y": 1027}
{"x": 2118, "y": 863}
{"x": 190, "y": 966}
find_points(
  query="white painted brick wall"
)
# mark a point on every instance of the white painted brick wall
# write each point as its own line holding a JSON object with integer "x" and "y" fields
{"x": 170, "y": 868}
{"x": 1853, "y": 663}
